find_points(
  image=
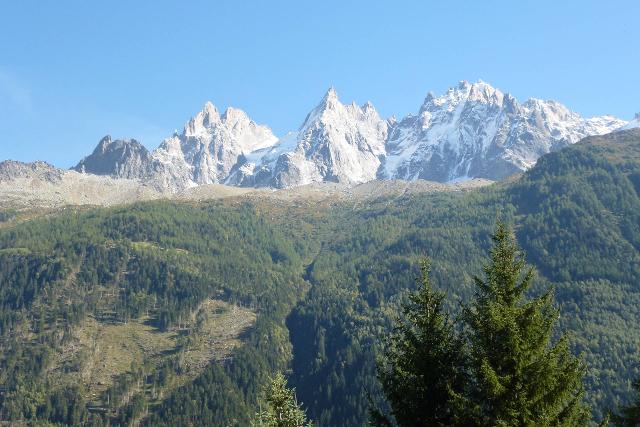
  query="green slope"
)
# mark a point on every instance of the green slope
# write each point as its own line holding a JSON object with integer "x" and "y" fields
{"x": 304, "y": 287}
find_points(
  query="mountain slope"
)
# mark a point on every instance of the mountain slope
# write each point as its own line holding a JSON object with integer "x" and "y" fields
{"x": 324, "y": 280}
{"x": 472, "y": 131}
{"x": 475, "y": 130}
{"x": 576, "y": 215}
{"x": 336, "y": 143}
{"x": 209, "y": 146}
{"x": 38, "y": 185}
{"x": 12, "y": 170}
{"x": 118, "y": 158}
{"x": 212, "y": 144}
{"x": 635, "y": 123}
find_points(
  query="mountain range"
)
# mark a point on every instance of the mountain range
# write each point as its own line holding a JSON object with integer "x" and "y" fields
{"x": 178, "y": 311}
{"x": 472, "y": 131}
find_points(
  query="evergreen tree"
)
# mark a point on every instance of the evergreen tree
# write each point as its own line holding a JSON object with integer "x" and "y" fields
{"x": 422, "y": 368}
{"x": 282, "y": 409}
{"x": 519, "y": 377}
{"x": 630, "y": 416}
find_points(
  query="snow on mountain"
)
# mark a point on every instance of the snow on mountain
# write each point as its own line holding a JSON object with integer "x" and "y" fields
{"x": 205, "y": 152}
{"x": 211, "y": 144}
{"x": 336, "y": 143}
{"x": 475, "y": 130}
{"x": 472, "y": 131}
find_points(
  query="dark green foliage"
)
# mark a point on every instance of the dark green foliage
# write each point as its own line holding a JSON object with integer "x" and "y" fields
{"x": 279, "y": 407}
{"x": 335, "y": 273}
{"x": 423, "y": 368}
{"x": 578, "y": 210}
{"x": 65, "y": 406}
{"x": 518, "y": 376}
{"x": 212, "y": 399}
{"x": 603, "y": 319}
{"x": 629, "y": 416}
{"x": 23, "y": 276}
{"x": 373, "y": 246}
{"x": 511, "y": 373}
{"x": 155, "y": 259}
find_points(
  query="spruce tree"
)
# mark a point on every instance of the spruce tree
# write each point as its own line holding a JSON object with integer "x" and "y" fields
{"x": 280, "y": 408}
{"x": 630, "y": 416}
{"x": 422, "y": 367}
{"x": 518, "y": 376}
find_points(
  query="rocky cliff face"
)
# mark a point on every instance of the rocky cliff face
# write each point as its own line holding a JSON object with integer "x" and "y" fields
{"x": 212, "y": 144}
{"x": 121, "y": 158}
{"x": 336, "y": 143}
{"x": 476, "y": 131}
{"x": 12, "y": 170}
{"x": 472, "y": 131}
{"x": 205, "y": 152}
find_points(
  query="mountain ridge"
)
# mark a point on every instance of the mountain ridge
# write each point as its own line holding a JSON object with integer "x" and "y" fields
{"x": 472, "y": 131}
{"x": 315, "y": 271}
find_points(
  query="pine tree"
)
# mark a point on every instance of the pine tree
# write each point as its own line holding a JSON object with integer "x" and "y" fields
{"x": 630, "y": 416}
{"x": 422, "y": 368}
{"x": 281, "y": 408}
{"x": 519, "y": 377}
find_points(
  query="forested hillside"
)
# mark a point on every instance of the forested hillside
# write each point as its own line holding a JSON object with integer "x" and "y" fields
{"x": 210, "y": 299}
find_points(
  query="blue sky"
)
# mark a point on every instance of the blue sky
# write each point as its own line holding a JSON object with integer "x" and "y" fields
{"x": 74, "y": 71}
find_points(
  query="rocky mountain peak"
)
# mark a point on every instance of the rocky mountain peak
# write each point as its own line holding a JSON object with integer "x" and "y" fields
{"x": 330, "y": 96}
{"x": 11, "y": 170}
{"x": 330, "y": 101}
{"x": 204, "y": 120}
{"x": 463, "y": 85}
{"x": 123, "y": 158}
{"x": 485, "y": 93}
{"x": 479, "y": 92}
{"x": 233, "y": 116}
{"x": 104, "y": 143}
{"x": 472, "y": 130}
{"x": 476, "y": 130}
{"x": 336, "y": 143}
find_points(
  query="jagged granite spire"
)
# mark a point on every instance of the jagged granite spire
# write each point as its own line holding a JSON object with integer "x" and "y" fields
{"x": 121, "y": 158}
{"x": 476, "y": 131}
{"x": 473, "y": 130}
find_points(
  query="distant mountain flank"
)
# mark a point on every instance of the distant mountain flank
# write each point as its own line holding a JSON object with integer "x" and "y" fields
{"x": 97, "y": 299}
{"x": 472, "y": 131}
{"x": 635, "y": 123}
{"x": 475, "y": 130}
{"x": 121, "y": 158}
{"x": 11, "y": 170}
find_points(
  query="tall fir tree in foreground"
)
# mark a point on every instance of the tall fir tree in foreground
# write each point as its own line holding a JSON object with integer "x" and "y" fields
{"x": 519, "y": 377}
{"x": 503, "y": 370}
{"x": 422, "y": 368}
{"x": 280, "y": 408}
{"x": 630, "y": 415}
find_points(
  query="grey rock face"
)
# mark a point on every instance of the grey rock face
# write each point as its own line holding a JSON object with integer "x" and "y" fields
{"x": 12, "y": 170}
{"x": 213, "y": 144}
{"x": 476, "y": 131}
{"x": 472, "y": 131}
{"x": 117, "y": 158}
{"x": 206, "y": 151}
{"x": 336, "y": 143}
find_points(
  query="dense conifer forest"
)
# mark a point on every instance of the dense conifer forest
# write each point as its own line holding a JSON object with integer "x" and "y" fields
{"x": 311, "y": 290}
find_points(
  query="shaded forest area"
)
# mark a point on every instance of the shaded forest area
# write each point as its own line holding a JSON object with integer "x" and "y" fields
{"x": 325, "y": 282}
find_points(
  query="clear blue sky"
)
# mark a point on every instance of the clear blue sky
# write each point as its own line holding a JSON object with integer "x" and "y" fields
{"x": 73, "y": 71}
